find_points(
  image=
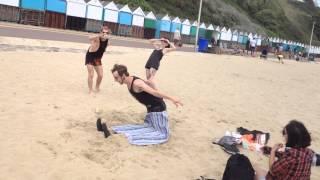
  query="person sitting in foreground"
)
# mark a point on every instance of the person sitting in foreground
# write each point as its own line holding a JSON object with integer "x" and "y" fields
{"x": 296, "y": 160}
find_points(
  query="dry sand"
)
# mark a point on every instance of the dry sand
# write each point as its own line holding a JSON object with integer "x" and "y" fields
{"x": 47, "y": 119}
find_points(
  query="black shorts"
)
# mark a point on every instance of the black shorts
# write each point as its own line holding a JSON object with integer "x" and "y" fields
{"x": 94, "y": 62}
{"x": 152, "y": 64}
{"x": 158, "y": 108}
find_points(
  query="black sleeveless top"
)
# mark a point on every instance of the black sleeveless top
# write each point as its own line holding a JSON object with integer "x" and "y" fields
{"x": 154, "y": 59}
{"x": 153, "y": 104}
{"x": 90, "y": 56}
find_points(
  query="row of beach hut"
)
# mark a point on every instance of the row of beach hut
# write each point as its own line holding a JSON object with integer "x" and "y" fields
{"x": 91, "y": 15}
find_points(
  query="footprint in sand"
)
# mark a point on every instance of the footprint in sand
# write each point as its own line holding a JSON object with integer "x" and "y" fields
{"x": 66, "y": 136}
{"x": 48, "y": 147}
{"x": 223, "y": 121}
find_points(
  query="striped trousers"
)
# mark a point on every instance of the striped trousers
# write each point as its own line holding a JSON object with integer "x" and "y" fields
{"x": 154, "y": 130}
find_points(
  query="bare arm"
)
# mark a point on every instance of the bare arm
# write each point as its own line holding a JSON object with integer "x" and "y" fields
{"x": 94, "y": 37}
{"x": 272, "y": 158}
{"x": 144, "y": 87}
{"x": 155, "y": 43}
{"x": 172, "y": 47}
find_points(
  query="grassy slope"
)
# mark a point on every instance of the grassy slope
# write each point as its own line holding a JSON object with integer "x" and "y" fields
{"x": 291, "y": 20}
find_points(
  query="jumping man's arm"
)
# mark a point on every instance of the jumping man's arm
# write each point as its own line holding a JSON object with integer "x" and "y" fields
{"x": 94, "y": 37}
{"x": 144, "y": 87}
{"x": 172, "y": 47}
{"x": 155, "y": 43}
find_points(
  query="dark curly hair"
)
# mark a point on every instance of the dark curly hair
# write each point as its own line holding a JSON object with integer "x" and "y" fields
{"x": 121, "y": 69}
{"x": 297, "y": 135}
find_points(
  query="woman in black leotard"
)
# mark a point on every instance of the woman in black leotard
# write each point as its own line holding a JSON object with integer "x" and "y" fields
{"x": 162, "y": 46}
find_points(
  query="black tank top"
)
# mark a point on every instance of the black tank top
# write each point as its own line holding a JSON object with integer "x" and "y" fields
{"x": 153, "y": 104}
{"x": 156, "y": 55}
{"x": 90, "y": 56}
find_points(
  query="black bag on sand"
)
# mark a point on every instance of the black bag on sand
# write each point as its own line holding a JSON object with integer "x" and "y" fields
{"x": 238, "y": 168}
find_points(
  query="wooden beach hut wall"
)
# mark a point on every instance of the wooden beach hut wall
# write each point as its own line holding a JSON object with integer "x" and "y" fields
{"x": 202, "y": 30}
{"x": 150, "y": 26}
{"x": 76, "y": 15}
{"x": 9, "y": 10}
{"x": 235, "y": 36}
{"x": 209, "y": 32}
{"x": 193, "y": 32}
{"x": 94, "y": 16}
{"x": 125, "y": 21}
{"x": 229, "y": 35}
{"x": 217, "y": 33}
{"x": 240, "y": 38}
{"x": 256, "y": 37}
{"x": 163, "y": 26}
{"x": 111, "y": 16}
{"x": 245, "y": 38}
{"x": 259, "y": 40}
{"x": 32, "y": 12}
{"x": 273, "y": 41}
{"x": 224, "y": 35}
{"x": 185, "y": 31}
{"x": 175, "y": 25}
{"x": 138, "y": 23}
{"x": 55, "y": 15}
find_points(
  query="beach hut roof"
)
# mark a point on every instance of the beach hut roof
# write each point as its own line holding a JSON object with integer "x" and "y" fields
{"x": 210, "y": 27}
{"x": 124, "y": 8}
{"x": 235, "y": 32}
{"x": 139, "y": 12}
{"x": 77, "y": 1}
{"x": 166, "y": 18}
{"x": 195, "y": 23}
{"x": 241, "y": 33}
{"x": 229, "y": 31}
{"x": 150, "y": 15}
{"x": 224, "y": 29}
{"x": 95, "y": 3}
{"x": 110, "y": 5}
{"x": 177, "y": 20}
{"x": 217, "y": 28}
{"x": 203, "y": 26}
{"x": 186, "y": 22}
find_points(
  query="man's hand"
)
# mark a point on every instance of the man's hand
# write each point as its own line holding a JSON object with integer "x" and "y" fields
{"x": 177, "y": 102}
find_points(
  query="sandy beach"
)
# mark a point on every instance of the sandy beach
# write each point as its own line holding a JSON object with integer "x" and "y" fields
{"x": 47, "y": 118}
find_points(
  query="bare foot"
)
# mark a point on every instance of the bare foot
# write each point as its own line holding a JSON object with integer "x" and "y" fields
{"x": 97, "y": 90}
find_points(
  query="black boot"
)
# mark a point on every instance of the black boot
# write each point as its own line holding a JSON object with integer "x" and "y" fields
{"x": 99, "y": 125}
{"x": 105, "y": 130}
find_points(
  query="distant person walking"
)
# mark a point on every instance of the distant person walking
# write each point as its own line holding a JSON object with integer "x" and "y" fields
{"x": 253, "y": 44}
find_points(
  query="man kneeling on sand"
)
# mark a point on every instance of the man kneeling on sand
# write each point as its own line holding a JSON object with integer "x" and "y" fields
{"x": 155, "y": 129}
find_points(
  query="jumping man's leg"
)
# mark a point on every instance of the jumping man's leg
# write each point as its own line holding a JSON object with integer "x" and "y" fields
{"x": 99, "y": 71}
{"x": 90, "y": 77}
{"x": 150, "y": 73}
